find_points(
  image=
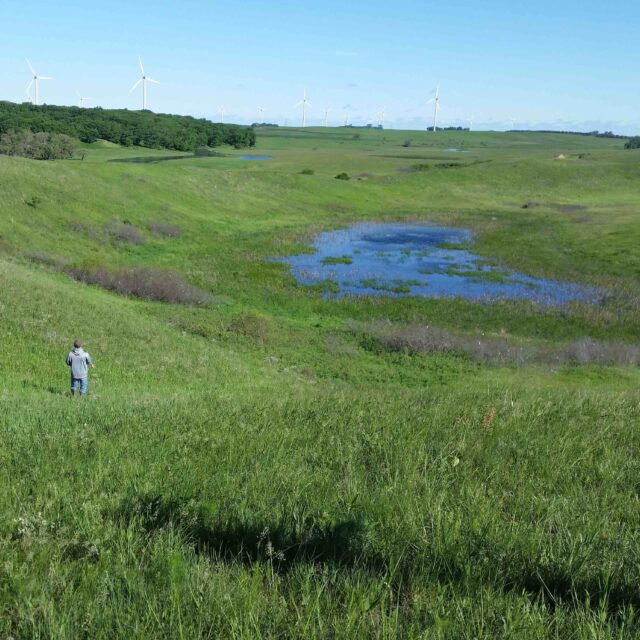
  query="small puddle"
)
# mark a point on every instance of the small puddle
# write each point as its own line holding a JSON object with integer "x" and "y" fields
{"x": 458, "y": 150}
{"x": 418, "y": 260}
{"x": 250, "y": 157}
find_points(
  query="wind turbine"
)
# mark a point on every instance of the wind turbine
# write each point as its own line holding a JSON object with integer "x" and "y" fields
{"x": 471, "y": 123}
{"x": 382, "y": 114}
{"x": 346, "y": 118}
{"x": 81, "y": 99}
{"x": 326, "y": 114}
{"x": 436, "y": 106}
{"x": 304, "y": 103}
{"x": 221, "y": 112}
{"x": 512, "y": 122}
{"x": 144, "y": 79}
{"x": 34, "y": 81}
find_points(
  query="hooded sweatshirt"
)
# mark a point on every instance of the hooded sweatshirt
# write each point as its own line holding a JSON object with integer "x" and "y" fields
{"x": 79, "y": 361}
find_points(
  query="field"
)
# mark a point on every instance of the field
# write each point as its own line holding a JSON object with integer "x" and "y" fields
{"x": 275, "y": 463}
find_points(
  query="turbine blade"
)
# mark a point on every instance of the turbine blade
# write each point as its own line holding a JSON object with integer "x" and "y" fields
{"x": 141, "y": 67}
{"x": 152, "y": 80}
{"x": 297, "y": 104}
{"x": 44, "y": 78}
{"x": 135, "y": 85}
{"x": 309, "y": 104}
{"x": 30, "y": 68}
{"x": 28, "y": 87}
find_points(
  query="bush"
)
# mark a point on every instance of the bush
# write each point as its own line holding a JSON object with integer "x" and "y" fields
{"x": 142, "y": 282}
{"x": 421, "y": 166}
{"x": 633, "y": 143}
{"x": 129, "y": 234}
{"x": 162, "y": 230}
{"x": 343, "y": 176}
{"x": 251, "y": 324}
{"x": 487, "y": 349}
{"x": 307, "y": 172}
{"x": 407, "y": 143}
{"x": 37, "y": 146}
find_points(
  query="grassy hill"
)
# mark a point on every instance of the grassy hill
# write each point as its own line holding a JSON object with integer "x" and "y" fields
{"x": 261, "y": 464}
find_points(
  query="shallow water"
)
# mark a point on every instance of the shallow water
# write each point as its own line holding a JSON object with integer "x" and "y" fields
{"x": 250, "y": 157}
{"x": 457, "y": 150}
{"x": 418, "y": 260}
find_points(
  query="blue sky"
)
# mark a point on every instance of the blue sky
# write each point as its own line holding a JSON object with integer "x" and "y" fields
{"x": 564, "y": 64}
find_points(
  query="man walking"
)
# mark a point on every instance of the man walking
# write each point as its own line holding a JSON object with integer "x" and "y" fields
{"x": 79, "y": 362}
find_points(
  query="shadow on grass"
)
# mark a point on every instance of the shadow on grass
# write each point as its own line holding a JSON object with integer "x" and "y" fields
{"x": 342, "y": 544}
{"x": 347, "y": 545}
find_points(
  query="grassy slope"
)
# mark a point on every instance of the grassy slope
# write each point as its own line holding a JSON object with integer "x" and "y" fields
{"x": 280, "y": 477}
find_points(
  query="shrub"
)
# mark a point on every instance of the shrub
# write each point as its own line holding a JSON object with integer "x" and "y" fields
{"x": 307, "y": 172}
{"x": 407, "y": 143}
{"x": 343, "y": 176}
{"x": 129, "y": 234}
{"x": 37, "y": 146}
{"x": 425, "y": 339}
{"x": 32, "y": 201}
{"x": 633, "y": 143}
{"x": 143, "y": 282}
{"x": 421, "y": 166}
{"x": 251, "y": 324}
{"x": 163, "y": 230}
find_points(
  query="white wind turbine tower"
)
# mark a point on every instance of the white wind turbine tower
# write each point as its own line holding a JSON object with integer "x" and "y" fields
{"x": 221, "y": 112}
{"x": 81, "y": 99}
{"x": 326, "y": 115}
{"x": 34, "y": 81}
{"x": 144, "y": 79}
{"x": 471, "y": 123}
{"x": 436, "y": 106}
{"x": 512, "y": 122}
{"x": 382, "y": 114}
{"x": 304, "y": 103}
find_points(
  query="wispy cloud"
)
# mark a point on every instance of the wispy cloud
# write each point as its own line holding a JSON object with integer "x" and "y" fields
{"x": 345, "y": 53}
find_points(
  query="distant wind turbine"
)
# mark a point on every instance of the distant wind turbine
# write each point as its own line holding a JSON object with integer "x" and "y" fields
{"x": 512, "y": 122}
{"x": 144, "y": 79}
{"x": 304, "y": 103}
{"x": 221, "y": 112}
{"x": 471, "y": 123}
{"x": 436, "y": 107}
{"x": 346, "y": 118}
{"x": 260, "y": 112}
{"x": 326, "y": 115}
{"x": 81, "y": 99}
{"x": 382, "y": 114}
{"x": 34, "y": 81}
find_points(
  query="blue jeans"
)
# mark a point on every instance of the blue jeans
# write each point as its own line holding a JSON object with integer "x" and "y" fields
{"x": 79, "y": 382}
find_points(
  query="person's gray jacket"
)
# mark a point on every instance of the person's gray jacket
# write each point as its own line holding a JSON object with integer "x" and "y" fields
{"x": 79, "y": 361}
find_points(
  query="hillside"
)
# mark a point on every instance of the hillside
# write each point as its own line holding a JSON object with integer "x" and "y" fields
{"x": 264, "y": 463}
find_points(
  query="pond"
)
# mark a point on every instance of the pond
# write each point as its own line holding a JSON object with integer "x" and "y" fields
{"x": 418, "y": 260}
{"x": 250, "y": 157}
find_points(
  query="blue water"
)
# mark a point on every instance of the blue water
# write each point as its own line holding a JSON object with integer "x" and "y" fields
{"x": 250, "y": 157}
{"x": 418, "y": 260}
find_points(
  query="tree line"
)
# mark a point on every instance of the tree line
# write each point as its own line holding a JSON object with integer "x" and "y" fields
{"x": 121, "y": 126}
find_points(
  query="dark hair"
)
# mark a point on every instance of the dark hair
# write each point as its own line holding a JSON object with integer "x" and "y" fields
{"x": 77, "y": 343}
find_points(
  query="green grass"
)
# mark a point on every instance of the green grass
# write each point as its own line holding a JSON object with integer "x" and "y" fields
{"x": 251, "y": 467}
